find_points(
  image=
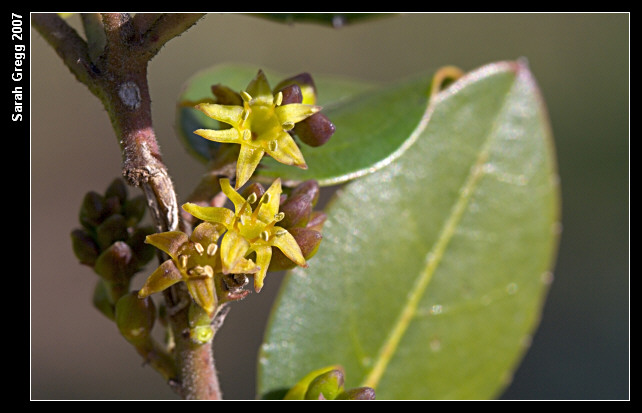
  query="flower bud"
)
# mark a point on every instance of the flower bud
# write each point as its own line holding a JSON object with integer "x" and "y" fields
{"x": 315, "y": 130}
{"x": 143, "y": 252}
{"x": 308, "y": 240}
{"x": 305, "y": 83}
{"x": 326, "y": 386}
{"x": 116, "y": 263}
{"x": 297, "y": 209}
{"x": 291, "y": 94}
{"x": 317, "y": 219}
{"x": 91, "y": 210}
{"x": 114, "y": 228}
{"x": 255, "y": 188}
{"x": 226, "y": 96}
{"x": 134, "y": 210}
{"x": 200, "y": 325}
{"x": 310, "y": 187}
{"x": 358, "y": 393}
{"x": 84, "y": 246}
{"x": 135, "y": 317}
{"x": 102, "y": 301}
{"x": 117, "y": 189}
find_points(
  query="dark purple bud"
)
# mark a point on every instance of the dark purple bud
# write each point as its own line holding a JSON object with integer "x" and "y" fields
{"x": 91, "y": 210}
{"x": 310, "y": 187}
{"x": 226, "y": 96}
{"x": 291, "y": 94}
{"x": 297, "y": 209}
{"x": 317, "y": 219}
{"x": 118, "y": 189}
{"x": 315, "y": 130}
{"x": 84, "y": 247}
{"x": 114, "y": 228}
{"x": 253, "y": 188}
{"x": 304, "y": 80}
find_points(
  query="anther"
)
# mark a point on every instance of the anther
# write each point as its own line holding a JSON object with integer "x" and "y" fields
{"x": 245, "y": 114}
{"x": 208, "y": 271}
{"x": 278, "y": 217}
{"x": 265, "y": 236}
{"x": 273, "y": 145}
{"x": 287, "y": 125}
{"x": 266, "y": 198}
{"x": 252, "y": 198}
{"x": 199, "y": 248}
{"x": 247, "y": 135}
{"x": 278, "y": 99}
{"x": 280, "y": 232}
{"x": 182, "y": 260}
{"x": 211, "y": 249}
{"x": 246, "y": 96}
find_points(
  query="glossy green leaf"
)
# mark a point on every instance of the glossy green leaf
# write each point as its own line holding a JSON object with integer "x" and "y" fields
{"x": 373, "y": 125}
{"x": 433, "y": 271}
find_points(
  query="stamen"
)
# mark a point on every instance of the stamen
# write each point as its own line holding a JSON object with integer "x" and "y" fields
{"x": 278, "y": 99}
{"x": 273, "y": 145}
{"x": 247, "y": 135}
{"x": 281, "y": 232}
{"x": 182, "y": 260}
{"x": 287, "y": 125}
{"x": 246, "y": 96}
{"x": 199, "y": 248}
{"x": 266, "y": 198}
{"x": 252, "y": 198}
{"x": 209, "y": 272}
{"x": 245, "y": 114}
{"x": 211, "y": 249}
{"x": 265, "y": 236}
{"x": 278, "y": 217}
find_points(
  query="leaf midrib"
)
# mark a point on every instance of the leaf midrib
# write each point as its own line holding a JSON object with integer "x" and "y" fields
{"x": 433, "y": 258}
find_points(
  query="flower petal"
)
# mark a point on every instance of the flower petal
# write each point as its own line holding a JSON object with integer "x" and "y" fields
{"x": 286, "y": 151}
{"x": 210, "y": 214}
{"x": 224, "y": 136}
{"x": 207, "y": 233}
{"x": 168, "y": 242}
{"x": 203, "y": 293}
{"x": 263, "y": 256}
{"x": 245, "y": 266}
{"x": 233, "y": 248}
{"x": 230, "y": 114}
{"x": 288, "y": 245}
{"x": 273, "y": 196}
{"x": 249, "y": 159}
{"x": 163, "y": 277}
{"x": 259, "y": 87}
{"x": 295, "y": 112}
{"x": 238, "y": 201}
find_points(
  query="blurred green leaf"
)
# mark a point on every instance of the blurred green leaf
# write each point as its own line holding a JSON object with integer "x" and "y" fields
{"x": 433, "y": 271}
{"x": 374, "y": 125}
{"x": 336, "y": 20}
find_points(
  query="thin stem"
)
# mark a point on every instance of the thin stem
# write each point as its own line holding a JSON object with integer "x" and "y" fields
{"x": 119, "y": 79}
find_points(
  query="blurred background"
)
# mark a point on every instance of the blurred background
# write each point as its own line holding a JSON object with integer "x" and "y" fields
{"x": 581, "y": 63}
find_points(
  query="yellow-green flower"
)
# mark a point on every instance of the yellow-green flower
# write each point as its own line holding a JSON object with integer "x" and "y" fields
{"x": 250, "y": 230}
{"x": 260, "y": 126}
{"x": 194, "y": 260}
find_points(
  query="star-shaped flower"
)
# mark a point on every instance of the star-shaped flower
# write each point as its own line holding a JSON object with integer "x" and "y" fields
{"x": 250, "y": 230}
{"x": 194, "y": 260}
{"x": 260, "y": 126}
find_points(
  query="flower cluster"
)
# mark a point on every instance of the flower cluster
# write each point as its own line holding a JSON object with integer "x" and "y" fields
{"x": 251, "y": 239}
{"x": 262, "y": 121}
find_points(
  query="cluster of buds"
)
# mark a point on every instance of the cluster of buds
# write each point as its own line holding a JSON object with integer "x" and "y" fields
{"x": 267, "y": 231}
{"x": 112, "y": 241}
{"x": 264, "y": 120}
{"x": 327, "y": 384}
